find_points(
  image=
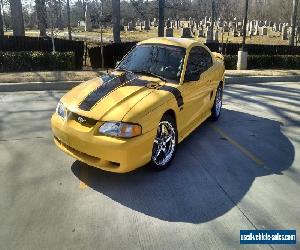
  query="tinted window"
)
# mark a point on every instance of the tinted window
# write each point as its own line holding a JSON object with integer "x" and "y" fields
{"x": 198, "y": 62}
{"x": 162, "y": 60}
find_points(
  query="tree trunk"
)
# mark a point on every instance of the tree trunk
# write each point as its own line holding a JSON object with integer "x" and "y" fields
{"x": 59, "y": 16}
{"x": 69, "y": 20}
{"x": 293, "y": 22}
{"x": 41, "y": 16}
{"x": 87, "y": 15}
{"x": 116, "y": 20}
{"x": 17, "y": 17}
{"x": 161, "y": 18}
{"x": 1, "y": 21}
{"x": 244, "y": 25}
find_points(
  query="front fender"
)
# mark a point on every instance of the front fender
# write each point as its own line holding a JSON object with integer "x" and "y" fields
{"x": 149, "y": 112}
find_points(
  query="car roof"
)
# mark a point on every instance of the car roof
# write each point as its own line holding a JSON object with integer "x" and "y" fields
{"x": 175, "y": 41}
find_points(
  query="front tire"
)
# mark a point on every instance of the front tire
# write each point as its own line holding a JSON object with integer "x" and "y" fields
{"x": 216, "y": 109}
{"x": 165, "y": 143}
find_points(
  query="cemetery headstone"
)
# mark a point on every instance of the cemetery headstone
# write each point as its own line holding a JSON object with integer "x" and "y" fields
{"x": 147, "y": 25}
{"x": 186, "y": 33}
{"x": 284, "y": 34}
{"x": 209, "y": 34}
{"x": 169, "y": 32}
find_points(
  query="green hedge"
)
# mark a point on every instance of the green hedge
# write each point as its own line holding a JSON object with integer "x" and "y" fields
{"x": 36, "y": 60}
{"x": 266, "y": 62}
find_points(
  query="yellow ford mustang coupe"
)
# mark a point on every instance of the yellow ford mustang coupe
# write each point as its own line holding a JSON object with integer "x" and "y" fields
{"x": 157, "y": 95}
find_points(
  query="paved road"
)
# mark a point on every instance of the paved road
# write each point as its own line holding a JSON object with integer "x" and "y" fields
{"x": 242, "y": 172}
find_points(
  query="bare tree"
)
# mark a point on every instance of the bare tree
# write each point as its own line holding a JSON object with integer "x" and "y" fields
{"x": 69, "y": 20}
{"x": 17, "y": 17}
{"x": 41, "y": 13}
{"x": 116, "y": 20}
{"x": 1, "y": 21}
{"x": 59, "y": 15}
{"x": 161, "y": 18}
{"x": 293, "y": 22}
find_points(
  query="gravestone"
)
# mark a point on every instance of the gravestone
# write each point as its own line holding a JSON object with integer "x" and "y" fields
{"x": 209, "y": 34}
{"x": 248, "y": 27}
{"x": 191, "y": 21}
{"x": 280, "y": 27}
{"x": 140, "y": 26}
{"x": 186, "y": 33}
{"x": 205, "y": 19}
{"x": 233, "y": 25}
{"x": 155, "y": 23}
{"x": 225, "y": 28}
{"x": 147, "y": 25}
{"x": 284, "y": 34}
{"x": 234, "y": 32}
{"x": 199, "y": 33}
{"x": 168, "y": 24}
{"x": 216, "y": 36}
{"x": 131, "y": 26}
{"x": 264, "y": 31}
{"x": 239, "y": 25}
{"x": 256, "y": 29}
{"x": 169, "y": 32}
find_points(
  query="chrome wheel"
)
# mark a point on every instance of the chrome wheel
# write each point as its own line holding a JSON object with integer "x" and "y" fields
{"x": 164, "y": 143}
{"x": 218, "y": 101}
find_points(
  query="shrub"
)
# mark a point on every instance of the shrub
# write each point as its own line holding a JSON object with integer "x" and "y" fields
{"x": 36, "y": 60}
{"x": 230, "y": 62}
{"x": 266, "y": 61}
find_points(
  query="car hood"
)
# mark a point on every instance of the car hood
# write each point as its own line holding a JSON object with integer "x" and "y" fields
{"x": 111, "y": 96}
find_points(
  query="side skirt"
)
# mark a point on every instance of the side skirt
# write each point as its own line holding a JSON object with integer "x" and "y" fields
{"x": 197, "y": 122}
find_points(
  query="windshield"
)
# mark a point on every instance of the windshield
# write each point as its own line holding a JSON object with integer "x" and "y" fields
{"x": 158, "y": 60}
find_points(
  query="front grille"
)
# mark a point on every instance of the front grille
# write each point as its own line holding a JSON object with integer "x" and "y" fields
{"x": 84, "y": 121}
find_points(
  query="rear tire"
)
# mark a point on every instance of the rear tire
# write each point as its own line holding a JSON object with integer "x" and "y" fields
{"x": 217, "y": 107}
{"x": 165, "y": 143}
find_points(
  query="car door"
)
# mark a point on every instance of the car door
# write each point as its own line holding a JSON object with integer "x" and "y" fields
{"x": 208, "y": 80}
{"x": 196, "y": 88}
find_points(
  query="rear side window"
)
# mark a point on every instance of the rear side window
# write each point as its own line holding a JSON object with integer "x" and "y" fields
{"x": 198, "y": 62}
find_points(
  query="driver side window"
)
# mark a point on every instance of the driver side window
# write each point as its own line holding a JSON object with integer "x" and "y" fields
{"x": 198, "y": 62}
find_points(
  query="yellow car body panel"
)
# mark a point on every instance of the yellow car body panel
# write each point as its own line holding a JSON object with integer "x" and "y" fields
{"x": 140, "y": 101}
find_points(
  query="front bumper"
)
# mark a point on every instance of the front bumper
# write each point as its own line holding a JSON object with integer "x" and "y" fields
{"x": 108, "y": 153}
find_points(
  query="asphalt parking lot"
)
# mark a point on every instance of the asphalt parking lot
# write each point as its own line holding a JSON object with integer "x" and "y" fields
{"x": 242, "y": 172}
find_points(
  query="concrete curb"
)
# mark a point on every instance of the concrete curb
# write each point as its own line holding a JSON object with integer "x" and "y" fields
{"x": 63, "y": 76}
{"x": 231, "y": 78}
{"x": 250, "y": 80}
{"x": 49, "y": 76}
{"x": 262, "y": 73}
{"x": 38, "y": 86}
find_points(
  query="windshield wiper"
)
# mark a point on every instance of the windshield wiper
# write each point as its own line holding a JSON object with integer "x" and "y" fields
{"x": 150, "y": 74}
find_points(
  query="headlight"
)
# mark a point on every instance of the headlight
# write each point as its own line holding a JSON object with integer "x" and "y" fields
{"x": 61, "y": 110}
{"x": 120, "y": 129}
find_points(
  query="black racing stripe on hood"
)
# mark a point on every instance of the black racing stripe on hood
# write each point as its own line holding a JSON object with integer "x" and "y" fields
{"x": 175, "y": 92}
{"x": 137, "y": 82}
{"x": 110, "y": 83}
